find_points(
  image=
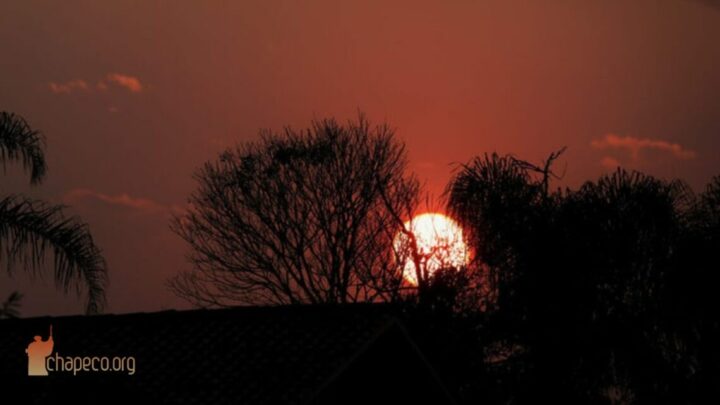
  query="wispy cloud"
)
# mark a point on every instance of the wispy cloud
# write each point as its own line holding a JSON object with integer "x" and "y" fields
{"x": 610, "y": 163}
{"x": 144, "y": 205}
{"x": 131, "y": 83}
{"x": 69, "y": 86}
{"x": 118, "y": 80}
{"x": 636, "y": 145}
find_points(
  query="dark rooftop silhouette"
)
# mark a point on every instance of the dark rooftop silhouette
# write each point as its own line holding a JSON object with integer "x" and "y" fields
{"x": 248, "y": 355}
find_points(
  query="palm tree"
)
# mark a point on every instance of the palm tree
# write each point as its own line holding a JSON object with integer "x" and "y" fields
{"x": 31, "y": 228}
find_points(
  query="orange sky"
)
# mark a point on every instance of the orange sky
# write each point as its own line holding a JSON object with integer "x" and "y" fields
{"x": 133, "y": 96}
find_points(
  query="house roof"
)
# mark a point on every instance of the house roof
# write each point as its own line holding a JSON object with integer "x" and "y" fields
{"x": 250, "y": 355}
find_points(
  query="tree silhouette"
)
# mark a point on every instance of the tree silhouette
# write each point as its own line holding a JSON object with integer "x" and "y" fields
{"x": 11, "y": 307}
{"x": 299, "y": 217}
{"x": 619, "y": 237}
{"x": 592, "y": 294}
{"x": 501, "y": 208}
{"x": 691, "y": 301}
{"x": 600, "y": 294}
{"x": 29, "y": 228}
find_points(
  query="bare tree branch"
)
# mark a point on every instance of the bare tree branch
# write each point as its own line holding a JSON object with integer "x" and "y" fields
{"x": 301, "y": 217}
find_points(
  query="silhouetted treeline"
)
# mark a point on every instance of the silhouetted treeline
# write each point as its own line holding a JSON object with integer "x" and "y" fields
{"x": 604, "y": 294}
{"x": 601, "y": 294}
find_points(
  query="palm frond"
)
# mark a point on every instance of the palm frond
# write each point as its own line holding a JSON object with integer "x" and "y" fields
{"x": 29, "y": 229}
{"x": 11, "y": 307}
{"x": 18, "y": 142}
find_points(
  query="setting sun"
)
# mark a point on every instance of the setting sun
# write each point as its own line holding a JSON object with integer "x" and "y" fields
{"x": 440, "y": 244}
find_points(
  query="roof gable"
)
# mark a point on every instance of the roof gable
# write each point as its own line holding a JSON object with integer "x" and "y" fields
{"x": 250, "y": 355}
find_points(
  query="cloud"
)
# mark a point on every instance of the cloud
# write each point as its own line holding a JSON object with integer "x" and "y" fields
{"x": 610, "y": 162}
{"x": 636, "y": 145}
{"x": 69, "y": 87}
{"x": 127, "y": 82}
{"x": 124, "y": 200}
{"x": 131, "y": 83}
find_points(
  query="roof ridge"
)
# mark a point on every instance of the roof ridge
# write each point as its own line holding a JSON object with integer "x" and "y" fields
{"x": 366, "y": 306}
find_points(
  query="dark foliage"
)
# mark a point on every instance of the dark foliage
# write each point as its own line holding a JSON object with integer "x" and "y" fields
{"x": 30, "y": 228}
{"x": 19, "y": 142}
{"x": 11, "y": 307}
{"x": 596, "y": 295}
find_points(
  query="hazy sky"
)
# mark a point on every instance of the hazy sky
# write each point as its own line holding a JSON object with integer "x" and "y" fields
{"x": 134, "y": 95}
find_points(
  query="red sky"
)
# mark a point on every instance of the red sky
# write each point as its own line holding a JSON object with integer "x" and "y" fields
{"x": 134, "y": 95}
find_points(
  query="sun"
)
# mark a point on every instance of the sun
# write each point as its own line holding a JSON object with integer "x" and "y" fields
{"x": 440, "y": 244}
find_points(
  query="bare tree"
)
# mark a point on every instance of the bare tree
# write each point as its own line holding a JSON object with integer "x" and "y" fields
{"x": 299, "y": 217}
